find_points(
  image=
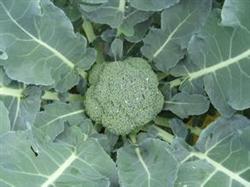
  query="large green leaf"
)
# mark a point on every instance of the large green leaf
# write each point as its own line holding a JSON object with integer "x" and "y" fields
{"x": 53, "y": 164}
{"x": 222, "y": 56}
{"x": 74, "y": 135}
{"x": 166, "y": 46}
{"x": 39, "y": 44}
{"x": 220, "y": 156}
{"x": 148, "y": 164}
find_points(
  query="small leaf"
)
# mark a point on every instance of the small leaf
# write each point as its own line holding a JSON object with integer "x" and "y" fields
{"x": 132, "y": 18}
{"x": 183, "y": 104}
{"x": 179, "y": 129}
{"x": 117, "y": 48}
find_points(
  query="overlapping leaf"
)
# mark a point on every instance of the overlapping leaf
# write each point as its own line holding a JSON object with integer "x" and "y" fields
{"x": 109, "y": 12}
{"x": 184, "y": 104}
{"x": 131, "y": 19}
{"x": 39, "y": 44}
{"x": 235, "y": 13}
{"x": 222, "y": 55}
{"x": 53, "y": 164}
{"x": 148, "y": 164}
{"x": 52, "y": 120}
{"x": 165, "y": 46}
{"x": 23, "y": 104}
{"x": 222, "y": 157}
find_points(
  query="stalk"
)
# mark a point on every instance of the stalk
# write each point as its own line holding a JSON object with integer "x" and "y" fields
{"x": 89, "y": 31}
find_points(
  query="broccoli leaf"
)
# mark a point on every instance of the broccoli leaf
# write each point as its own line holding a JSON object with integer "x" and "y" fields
{"x": 184, "y": 104}
{"x": 219, "y": 157}
{"x": 52, "y": 120}
{"x": 165, "y": 46}
{"x": 222, "y": 55}
{"x": 110, "y": 12}
{"x": 222, "y": 158}
{"x": 151, "y": 159}
{"x": 234, "y": 13}
{"x": 52, "y": 163}
{"x": 22, "y": 104}
{"x": 108, "y": 93}
{"x": 38, "y": 37}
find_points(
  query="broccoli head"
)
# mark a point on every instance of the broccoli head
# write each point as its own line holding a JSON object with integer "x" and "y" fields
{"x": 123, "y": 95}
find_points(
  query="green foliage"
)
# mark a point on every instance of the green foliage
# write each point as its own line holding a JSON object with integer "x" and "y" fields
{"x": 123, "y": 95}
{"x": 110, "y": 93}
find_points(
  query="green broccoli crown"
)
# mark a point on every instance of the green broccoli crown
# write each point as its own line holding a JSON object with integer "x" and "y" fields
{"x": 123, "y": 95}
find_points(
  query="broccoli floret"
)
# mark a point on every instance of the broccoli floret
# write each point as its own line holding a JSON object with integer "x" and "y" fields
{"x": 123, "y": 95}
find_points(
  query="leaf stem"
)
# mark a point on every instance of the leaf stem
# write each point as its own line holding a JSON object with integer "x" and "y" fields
{"x": 100, "y": 57}
{"x": 48, "y": 95}
{"x": 164, "y": 135}
{"x": 82, "y": 73}
{"x": 177, "y": 82}
{"x": 13, "y": 92}
{"x": 89, "y": 31}
{"x": 132, "y": 137}
{"x": 161, "y": 121}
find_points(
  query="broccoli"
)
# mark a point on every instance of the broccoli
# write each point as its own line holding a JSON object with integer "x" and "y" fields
{"x": 123, "y": 95}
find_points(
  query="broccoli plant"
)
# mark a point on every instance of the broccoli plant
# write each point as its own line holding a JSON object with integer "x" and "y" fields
{"x": 124, "y": 93}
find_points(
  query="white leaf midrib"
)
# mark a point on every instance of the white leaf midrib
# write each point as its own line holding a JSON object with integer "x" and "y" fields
{"x": 170, "y": 36}
{"x": 221, "y": 168}
{"x": 182, "y": 103}
{"x": 63, "y": 116}
{"x": 218, "y": 66}
{"x": 42, "y": 43}
{"x": 56, "y": 174}
{"x": 138, "y": 153}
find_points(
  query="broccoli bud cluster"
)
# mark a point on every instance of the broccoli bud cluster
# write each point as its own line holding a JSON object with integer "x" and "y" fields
{"x": 123, "y": 95}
